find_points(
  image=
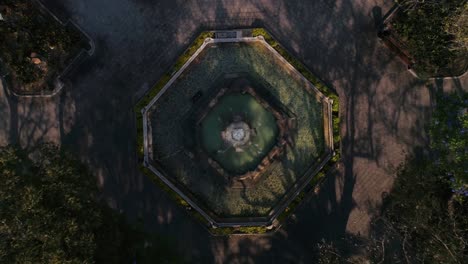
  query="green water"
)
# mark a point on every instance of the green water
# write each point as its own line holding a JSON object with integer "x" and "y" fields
{"x": 255, "y": 115}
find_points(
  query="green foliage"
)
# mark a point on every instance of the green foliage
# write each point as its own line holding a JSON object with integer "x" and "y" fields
{"x": 176, "y": 197}
{"x": 49, "y": 214}
{"x": 268, "y": 38}
{"x": 252, "y": 230}
{"x": 292, "y": 206}
{"x": 336, "y": 132}
{"x": 424, "y": 219}
{"x": 449, "y": 139}
{"x": 28, "y": 29}
{"x": 424, "y": 27}
{"x": 226, "y": 231}
{"x": 421, "y": 222}
{"x": 196, "y": 44}
{"x": 457, "y": 26}
{"x": 48, "y": 211}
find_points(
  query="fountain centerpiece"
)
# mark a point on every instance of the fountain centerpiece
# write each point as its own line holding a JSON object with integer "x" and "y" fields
{"x": 237, "y": 134}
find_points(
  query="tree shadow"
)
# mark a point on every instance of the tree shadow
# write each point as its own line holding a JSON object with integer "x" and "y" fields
{"x": 365, "y": 75}
{"x": 383, "y": 112}
{"x": 8, "y": 108}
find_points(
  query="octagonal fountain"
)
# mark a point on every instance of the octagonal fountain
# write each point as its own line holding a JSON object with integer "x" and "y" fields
{"x": 237, "y": 132}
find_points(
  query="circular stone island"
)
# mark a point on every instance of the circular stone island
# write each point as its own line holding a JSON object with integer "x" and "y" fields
{"x": 237, "y": 135}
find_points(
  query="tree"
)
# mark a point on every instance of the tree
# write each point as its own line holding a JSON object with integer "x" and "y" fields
{"x": 449, "y": 129}
{"x": 433, "y": 33}
{"x": 49, "y": 213}
{"x": 421, "y": 222}
{"x": 48, "y": 210}
{"x": 457, "y": 26}
{"x": 26, "y": 29}
{"x": 423, "y": 219}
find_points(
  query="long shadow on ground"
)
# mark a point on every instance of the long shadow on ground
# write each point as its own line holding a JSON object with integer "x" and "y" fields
{"x": 383, "y": 112}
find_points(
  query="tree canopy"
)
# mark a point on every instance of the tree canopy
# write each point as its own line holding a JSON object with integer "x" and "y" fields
{"x": 435, "y": 34}
{"x": 48, "y": 208}
{"x": 49, "y": 213}
{"x": 424, "y": 218}
{"x": 29, "y": 34}
{"x": 449, "y": 138}
{"x": 421, "y": 222}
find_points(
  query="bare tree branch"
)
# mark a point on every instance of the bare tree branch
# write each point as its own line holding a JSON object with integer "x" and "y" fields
{"x": 446, "y": 247}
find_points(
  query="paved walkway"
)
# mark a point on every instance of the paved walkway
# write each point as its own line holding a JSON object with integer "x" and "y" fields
{"x": 384, "y": 111}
